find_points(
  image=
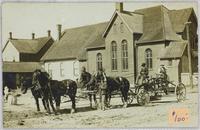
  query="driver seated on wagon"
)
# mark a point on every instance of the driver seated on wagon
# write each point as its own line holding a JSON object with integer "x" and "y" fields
{"x": 143, "y": 75}
{"x": 163, "y": 77}
{"x": 162, "y": 72}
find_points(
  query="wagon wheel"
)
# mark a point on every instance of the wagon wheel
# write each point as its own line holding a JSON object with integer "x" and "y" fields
{"x": 130, "y": 96}
{"x": 143, "y": 97}
{"x": 180, "y": 91}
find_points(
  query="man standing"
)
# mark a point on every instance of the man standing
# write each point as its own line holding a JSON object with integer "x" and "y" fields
{"x": 143, "y": 75}
{"x": 85, "y": 78}
{"x": 101, "y": 78}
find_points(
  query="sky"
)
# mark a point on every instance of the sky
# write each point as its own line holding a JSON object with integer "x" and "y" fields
{"x": 23, "y": 19}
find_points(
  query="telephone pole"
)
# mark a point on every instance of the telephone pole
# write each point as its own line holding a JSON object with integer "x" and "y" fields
{"x": 189, "y": 53}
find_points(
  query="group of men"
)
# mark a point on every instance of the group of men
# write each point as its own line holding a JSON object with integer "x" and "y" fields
{"x": 141, "y": 78}
{"x": 144, "y": 74}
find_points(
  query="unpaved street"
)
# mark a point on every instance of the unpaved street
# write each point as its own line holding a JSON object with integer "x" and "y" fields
{"x": 155, "y": 114}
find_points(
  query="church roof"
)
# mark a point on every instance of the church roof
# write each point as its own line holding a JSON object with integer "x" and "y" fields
{"x": 74, "y": 42}
{"x": 153, "y": 24}
{"x": 179, "y": 17}
{"x": 157, "y": 25}
{"x": 174, "y": 50}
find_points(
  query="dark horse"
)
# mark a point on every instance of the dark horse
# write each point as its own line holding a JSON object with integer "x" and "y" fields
{"x": 56, "y": 90}
{"x": 40, "y": 89}
{"x": 92, "y": 86}
{"x": 117, "y": 84}
{"x": 62, "y": 88}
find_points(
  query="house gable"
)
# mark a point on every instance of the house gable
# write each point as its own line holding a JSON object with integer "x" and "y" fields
{"x": 10, "y": 53}
{"x": 131, "y": 20}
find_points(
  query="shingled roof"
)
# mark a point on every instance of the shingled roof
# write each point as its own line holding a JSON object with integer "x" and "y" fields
{"x": 174, "y": 50}
{"x": 157, "y": 25}
{"x": 31, "y": 46}
{"x": 179, "y": 17}
{"x": 75, "y": 41}
{"x": 21, "y": 67}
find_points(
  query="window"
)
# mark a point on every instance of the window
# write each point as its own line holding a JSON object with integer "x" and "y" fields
{"x": 124, "y": 55}
{"x": 121, "y": 27}
{"x": 76, "y": 68}
{"x": 148, "y": 56}
{"x": 114, "y": 55}
{"x": 99, "y": 61}
{"x": 169, "y": 62}
{"x": 61, "y": 70}
{"x": 50, "y": 70}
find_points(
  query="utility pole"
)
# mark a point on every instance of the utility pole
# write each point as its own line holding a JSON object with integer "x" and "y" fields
{"x": 189, "y": 53}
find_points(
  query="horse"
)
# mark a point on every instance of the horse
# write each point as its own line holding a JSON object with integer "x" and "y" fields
{"x": 88, "y": 82}
{"x": 117, "y": 84}
{"x": 40, "y": 89}
{"x": 58, "y": 89}
{"x": 92, "y": 85}
{"x": 62, "y": 88}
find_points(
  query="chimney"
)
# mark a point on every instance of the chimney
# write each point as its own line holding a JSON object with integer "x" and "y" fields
{"x": 119, "y": 6}
{"x": 49, "y": 33}
{"x": 33, "y": 35}
{"x": 10, "y": 33}
{"x": 59, "y": 31}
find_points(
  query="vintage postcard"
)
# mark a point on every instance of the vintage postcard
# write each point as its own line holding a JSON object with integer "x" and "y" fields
{"x": 100, "y": 65}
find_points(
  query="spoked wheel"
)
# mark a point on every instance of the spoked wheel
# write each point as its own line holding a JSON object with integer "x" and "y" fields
{"x": 130, "y": 96}
{"x": 180, "y": 91}
{"x": 143, "y": 97}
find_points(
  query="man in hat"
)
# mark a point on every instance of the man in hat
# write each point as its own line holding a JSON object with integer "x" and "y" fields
{"x": 143, "y": 75}
{"x": 84, "y": 78}
{"x": 163, "y": 71}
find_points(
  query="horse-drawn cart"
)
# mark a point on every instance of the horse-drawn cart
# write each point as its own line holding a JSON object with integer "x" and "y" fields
{"x": 152, "y": 87}
{"x": 157, "y": 87}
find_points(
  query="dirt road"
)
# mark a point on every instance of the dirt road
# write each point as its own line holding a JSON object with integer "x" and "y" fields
{"x": 155, "y": 114}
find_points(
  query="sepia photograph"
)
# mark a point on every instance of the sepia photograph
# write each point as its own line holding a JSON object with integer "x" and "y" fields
{"x": 100, "y": 64}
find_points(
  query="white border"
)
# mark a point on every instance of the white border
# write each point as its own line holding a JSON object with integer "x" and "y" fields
{"x": 97, "y": 1}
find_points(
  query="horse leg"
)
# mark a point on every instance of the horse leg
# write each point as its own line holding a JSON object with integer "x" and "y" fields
{"x": 73, "y": 109}
{"x": 47, "y": 105}
{"x": 57, "y": 100}
{"x": 37, "y": 103}
{"x": 124, "y": 97}
{"x": 90, "y": 99}
{"x": 52, "y": 106}
{"x": 103, "y": 101}
{"x": 108, "y": 100}
{"x": 43, "y": 102}
{"x": 95, "y": 100}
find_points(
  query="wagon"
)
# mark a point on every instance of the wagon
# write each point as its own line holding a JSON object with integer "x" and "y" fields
{"x": 157, "y": 87}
